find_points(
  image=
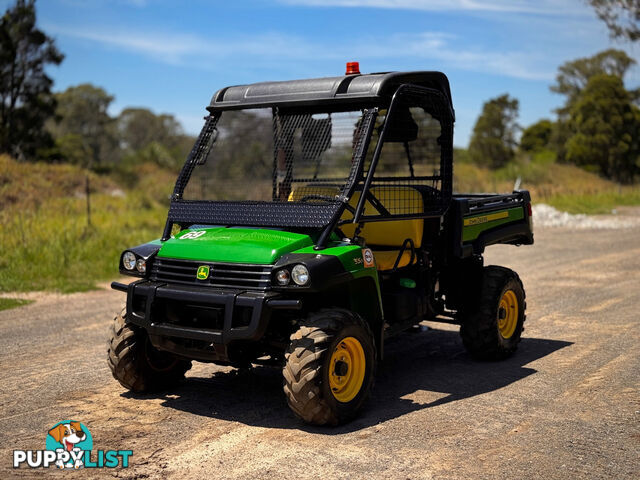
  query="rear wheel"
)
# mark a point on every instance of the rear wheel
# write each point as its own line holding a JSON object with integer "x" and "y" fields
{"x": 137, "y": 364}
{"x": 492, "y": 324}
{"x": 329, "y": 367}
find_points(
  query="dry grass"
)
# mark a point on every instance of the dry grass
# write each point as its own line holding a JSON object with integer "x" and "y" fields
{"x": 27, "y": 186}
{"x": 46, "y": 242}
{"x": 566, "y": 187}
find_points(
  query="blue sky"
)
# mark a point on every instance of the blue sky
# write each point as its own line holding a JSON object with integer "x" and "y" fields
{"x": 171, "y": 56}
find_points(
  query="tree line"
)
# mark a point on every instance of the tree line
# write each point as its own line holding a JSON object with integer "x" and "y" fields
{"x": 84, "y": 133}
{"x": 597, "y": 127}
{"x": 73, "y": 126}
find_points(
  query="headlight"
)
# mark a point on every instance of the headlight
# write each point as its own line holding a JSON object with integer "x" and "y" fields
{"x": 300, "y": 274}
{"x": 283, "y": 277}
{"x": 129, "y": 260}
{"x": 141, "y": 265}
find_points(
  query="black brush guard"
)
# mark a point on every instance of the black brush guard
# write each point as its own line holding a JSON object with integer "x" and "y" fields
{"x": 197, "y": 322}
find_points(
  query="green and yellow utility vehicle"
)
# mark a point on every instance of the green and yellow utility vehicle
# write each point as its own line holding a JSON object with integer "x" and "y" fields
{"x": 312, "y": 220}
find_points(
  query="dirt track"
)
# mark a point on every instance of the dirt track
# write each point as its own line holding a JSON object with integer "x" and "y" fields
{"x": 566, "y": 405}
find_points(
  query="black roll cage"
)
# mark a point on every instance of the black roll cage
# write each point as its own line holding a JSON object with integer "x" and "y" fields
{"x": 325, "y": 216}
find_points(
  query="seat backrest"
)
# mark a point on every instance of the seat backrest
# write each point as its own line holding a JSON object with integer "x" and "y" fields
{"x": 398, "y": 200}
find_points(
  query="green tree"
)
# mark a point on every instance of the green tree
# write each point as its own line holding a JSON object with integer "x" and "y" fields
{"x": 82, "y": 119}
{"x": 573, "y": 76}
{"x": 138, "y": 127}
{"x": 25, "y": 89}
{"x": 493, "y": 140}
{"x": 622, "y": 17}
{"x": 145, "y": 136}
{"x": 71, "y": 148}
{"x": 536, "y": 136}
{"x": 572, "y": 79}
{"x": 606, "y": 129}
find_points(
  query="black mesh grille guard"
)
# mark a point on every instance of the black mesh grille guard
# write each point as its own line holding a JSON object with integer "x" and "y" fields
{"x": 253, "y": 214}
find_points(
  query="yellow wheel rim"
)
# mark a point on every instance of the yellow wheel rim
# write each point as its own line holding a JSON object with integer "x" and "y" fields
{"x": 508, "y": 314}
{"x": 346, "y": 369}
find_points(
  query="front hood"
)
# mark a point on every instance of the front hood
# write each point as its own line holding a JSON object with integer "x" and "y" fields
{"x": 233, "y": 245}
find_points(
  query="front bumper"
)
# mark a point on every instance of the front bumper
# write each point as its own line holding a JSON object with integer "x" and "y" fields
{"x": 199, "y": 322}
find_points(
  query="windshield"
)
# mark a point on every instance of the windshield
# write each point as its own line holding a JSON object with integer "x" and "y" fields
{"x": 275, "y": 155}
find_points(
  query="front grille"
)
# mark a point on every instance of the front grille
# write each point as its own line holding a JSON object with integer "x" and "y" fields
{"x": 230, "y": 275}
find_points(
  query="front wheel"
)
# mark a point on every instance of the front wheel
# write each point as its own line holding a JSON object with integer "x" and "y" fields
{"x": 137, "y": 364}
{"x": 493, "y": 322}
{"x": 329, "y": 367}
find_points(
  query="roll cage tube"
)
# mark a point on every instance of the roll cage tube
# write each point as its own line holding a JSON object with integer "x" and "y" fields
{"x": 366, "y": 192}
{"x": 408, "y": 90}
{"x": 199, "y": 148}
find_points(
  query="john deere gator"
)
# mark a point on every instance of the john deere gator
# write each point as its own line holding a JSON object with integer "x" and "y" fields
{"x": 312, "y": 220}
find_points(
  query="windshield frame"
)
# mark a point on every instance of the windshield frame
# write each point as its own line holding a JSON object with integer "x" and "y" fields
{"x": 256, "y": 213}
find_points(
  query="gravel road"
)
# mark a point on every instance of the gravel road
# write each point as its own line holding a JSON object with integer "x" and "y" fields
{"x": 566, "y": 405}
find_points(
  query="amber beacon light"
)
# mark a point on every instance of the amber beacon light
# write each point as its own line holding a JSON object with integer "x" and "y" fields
{"x": 353, "y": 68}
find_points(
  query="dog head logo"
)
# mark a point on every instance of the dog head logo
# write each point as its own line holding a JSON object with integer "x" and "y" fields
{"x": 69, "y": 445}
{"x": 70, "y": 436}
{"x": 369, "y": 260}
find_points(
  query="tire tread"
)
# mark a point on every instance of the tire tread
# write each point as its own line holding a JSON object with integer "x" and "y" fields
{"x": 129, "y": 368}
{"x": 304, "y": 358}
{"x": 478, "y": 329}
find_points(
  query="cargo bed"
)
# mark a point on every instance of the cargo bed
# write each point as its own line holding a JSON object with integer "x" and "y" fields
{"x": 479, "y": 220}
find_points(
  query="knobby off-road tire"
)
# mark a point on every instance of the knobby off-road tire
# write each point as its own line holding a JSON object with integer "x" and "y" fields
{"x": 329, "y": 342}
{"x": 136, "y": 364}
{"x": 492, "y": 324}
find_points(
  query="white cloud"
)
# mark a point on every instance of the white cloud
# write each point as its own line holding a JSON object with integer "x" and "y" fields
{"x": 181, "y": 49}
{"x": 200, "y": 52}
{"x": 445, "y": 49}
{"x": 170, "y": 50}
{"x": 550, "y": 7}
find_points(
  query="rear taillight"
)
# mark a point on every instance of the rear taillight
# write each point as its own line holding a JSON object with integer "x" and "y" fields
{"x": 529, "y": 211}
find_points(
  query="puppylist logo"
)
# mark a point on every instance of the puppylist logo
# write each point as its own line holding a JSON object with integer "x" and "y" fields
{"x": 70, "y": 445}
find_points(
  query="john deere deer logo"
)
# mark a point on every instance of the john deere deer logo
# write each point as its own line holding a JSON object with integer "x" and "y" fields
{"x": 203, "y": 272}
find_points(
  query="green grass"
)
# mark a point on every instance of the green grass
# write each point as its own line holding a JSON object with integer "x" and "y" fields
{"x": 596, "y": 203}
{"x": 52, "y": 248}
{"x": 7, "y": 303}
{"x": 46, "y": 242}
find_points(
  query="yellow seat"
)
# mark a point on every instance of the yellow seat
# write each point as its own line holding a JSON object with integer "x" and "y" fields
{"x": 398, "y": 200}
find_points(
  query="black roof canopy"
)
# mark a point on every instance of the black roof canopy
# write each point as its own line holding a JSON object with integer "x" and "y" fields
{"x": 358, "y": 88}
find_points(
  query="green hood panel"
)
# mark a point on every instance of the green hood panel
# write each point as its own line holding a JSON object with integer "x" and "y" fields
{"x": 233, "y": 245}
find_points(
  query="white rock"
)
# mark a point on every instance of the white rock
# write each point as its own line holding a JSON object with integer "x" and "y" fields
{"x": 547, "y": 216}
